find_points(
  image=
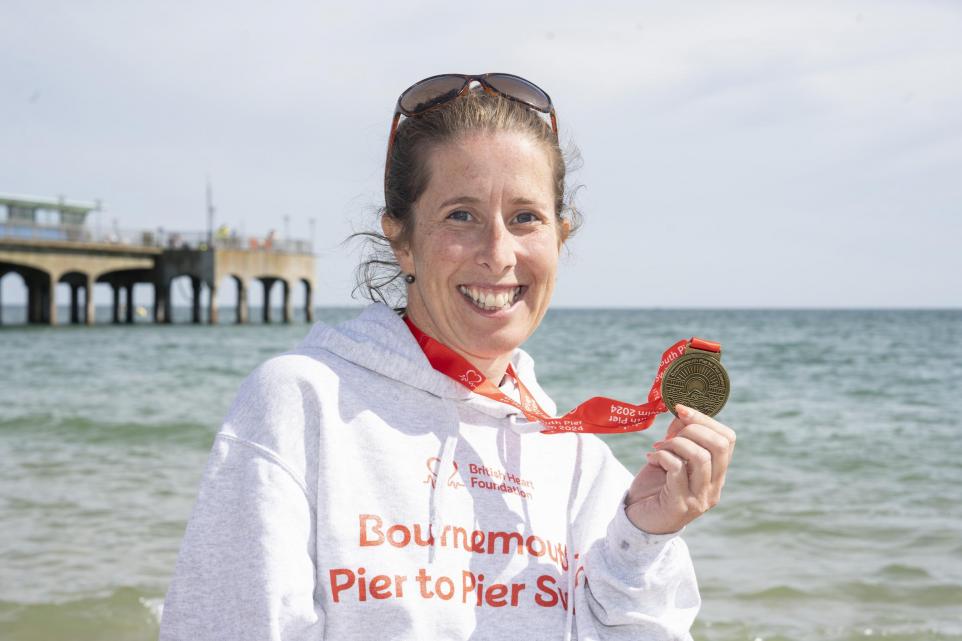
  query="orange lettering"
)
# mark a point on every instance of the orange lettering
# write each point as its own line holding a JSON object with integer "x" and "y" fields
{"x": 338, "y": 586}
{"x": 531, "y": 541}
{"x": 495, "y": 595}
{"x": 364, "y": 522}
{"x": 380, "y": 586}
{"x": 506, "y": 539}
{"x": 405, "y": 536}
{"x": 546, "y": 596}
{"x": 449, "y": 587}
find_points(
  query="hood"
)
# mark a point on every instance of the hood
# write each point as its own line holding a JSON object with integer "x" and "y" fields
{"x": 378, "y": 340}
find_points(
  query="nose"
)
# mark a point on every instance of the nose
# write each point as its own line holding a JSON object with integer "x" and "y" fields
{"x": 497, "y": 250}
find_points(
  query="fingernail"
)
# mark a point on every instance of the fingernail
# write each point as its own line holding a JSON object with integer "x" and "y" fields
{"x": 648, "y": 455}
{"x": 658, "y": 443}
{"x": 682, "y": 410}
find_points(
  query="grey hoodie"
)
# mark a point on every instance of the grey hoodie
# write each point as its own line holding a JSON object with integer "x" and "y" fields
{"x": 354, "y": 492}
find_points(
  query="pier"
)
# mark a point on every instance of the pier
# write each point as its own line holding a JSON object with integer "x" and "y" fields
{"x": 48, "y": 241}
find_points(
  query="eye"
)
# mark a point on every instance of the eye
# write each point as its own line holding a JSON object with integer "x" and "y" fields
{"x": 461, "y": 215}
{"x": 526, "y": 217}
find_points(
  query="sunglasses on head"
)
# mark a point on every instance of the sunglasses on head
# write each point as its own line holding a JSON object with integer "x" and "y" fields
{"x": 433, "y": 92}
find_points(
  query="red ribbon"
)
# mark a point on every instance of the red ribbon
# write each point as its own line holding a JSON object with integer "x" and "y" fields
{"x": 597, "y": 415}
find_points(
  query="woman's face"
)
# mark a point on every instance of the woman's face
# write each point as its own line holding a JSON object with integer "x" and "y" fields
{"x": 484, "y": 245}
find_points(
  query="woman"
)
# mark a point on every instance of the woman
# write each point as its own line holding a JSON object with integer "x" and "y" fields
{"x": 356, "y": 491}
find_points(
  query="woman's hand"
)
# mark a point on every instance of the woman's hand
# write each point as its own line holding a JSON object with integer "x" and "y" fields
{"x": 684, "y": 476}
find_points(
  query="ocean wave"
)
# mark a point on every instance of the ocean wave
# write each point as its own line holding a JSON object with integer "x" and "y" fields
{"x": 899, "y": 571}
{"x": 930, "y": 595}
{"x": 778, "y": 593}
{"x": 127, "y": 613}
{"x": 89, "y": 431}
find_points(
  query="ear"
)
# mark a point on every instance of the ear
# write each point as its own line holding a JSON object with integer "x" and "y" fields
{"x": 565, "y": 231}
{"x": 392, "y": 230}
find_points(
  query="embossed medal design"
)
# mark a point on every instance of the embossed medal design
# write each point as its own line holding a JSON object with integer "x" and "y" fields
{"x": 696, "y": 379}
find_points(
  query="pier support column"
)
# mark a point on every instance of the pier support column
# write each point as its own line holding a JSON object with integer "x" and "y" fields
{"x": 35, "y": 296}
{"x": 40, "y": 301}
{"x": 212, "y": 305}
{"x": 48, "y": 300}
{"x": 88, "y": 300}
{"x": 288, "y": 302}
{"x": 74, "y": 304}
{"x": 268, "y": 284}
{"x": 31, "y": 300}
{"x": 308, "y": 302}
{"x": 130, "y": 302}
{"x": 242, "y": 308}
{"x": 195, "y": 303}
{"x": 168, "y": 302}
{"x": 115, "y": 312}
{"x": 161, "y": 294}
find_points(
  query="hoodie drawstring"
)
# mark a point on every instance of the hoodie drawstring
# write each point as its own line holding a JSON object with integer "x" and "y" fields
{"x": 570, "y": 543}
{"x": 446, "y": 467}
{"x": 572, "y": 568}
{"x": 520, "y": 425}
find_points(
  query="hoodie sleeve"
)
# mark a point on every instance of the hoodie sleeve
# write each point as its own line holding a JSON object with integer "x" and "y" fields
{"x": 246, "y": 568}
{"x": 635, "y": 585}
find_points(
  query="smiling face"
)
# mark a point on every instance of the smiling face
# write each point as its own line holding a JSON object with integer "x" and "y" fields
{"x": 483, "y": 246}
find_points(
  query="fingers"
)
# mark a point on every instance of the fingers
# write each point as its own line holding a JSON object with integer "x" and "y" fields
{"x": 696, "y": 458}
{"x": 688, "y": 415}
{"x": 676, "y": 474}
{"x": 695, "y": 455}
{"x": 706, "y": 446}
{"x": 720, "y": 440}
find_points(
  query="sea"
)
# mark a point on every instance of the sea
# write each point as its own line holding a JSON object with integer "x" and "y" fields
{"x": 841, "y": 517}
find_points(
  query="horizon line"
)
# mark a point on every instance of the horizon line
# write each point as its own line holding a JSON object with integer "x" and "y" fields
{"x": 572, "y": 308}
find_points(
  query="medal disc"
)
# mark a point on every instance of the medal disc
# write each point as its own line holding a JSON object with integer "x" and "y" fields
{"x": 697, "y": 380}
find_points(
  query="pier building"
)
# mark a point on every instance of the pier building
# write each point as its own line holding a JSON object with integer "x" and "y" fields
{"x": 49, "y": 241}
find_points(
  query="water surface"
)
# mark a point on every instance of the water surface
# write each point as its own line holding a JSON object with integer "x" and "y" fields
{"x": 841, "y": 519}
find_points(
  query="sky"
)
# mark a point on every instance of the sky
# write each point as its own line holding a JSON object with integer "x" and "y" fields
{"x": 736, "y": 154}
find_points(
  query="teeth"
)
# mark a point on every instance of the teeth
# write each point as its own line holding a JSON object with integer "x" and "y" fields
{"x": 491, "y": 301}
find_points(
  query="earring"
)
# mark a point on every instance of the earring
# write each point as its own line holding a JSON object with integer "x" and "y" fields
{"x": 409, "y": 278}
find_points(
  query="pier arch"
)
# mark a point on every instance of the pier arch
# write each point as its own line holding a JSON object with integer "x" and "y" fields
{"x": 196, "y": 292}
{"x": 278, "y": 292}
{"x": 269, "y": 294}
{"x": 122, "y": 283}
{"x": 41, "y": 299}
{"x": 233, "y": 290}
{"x": 75, "y": 282}
{"x": 308, "y": 300}
{"x": 10, "y": 280}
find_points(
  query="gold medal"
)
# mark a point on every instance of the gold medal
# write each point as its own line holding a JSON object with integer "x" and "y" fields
{"x": 697, "y": 379}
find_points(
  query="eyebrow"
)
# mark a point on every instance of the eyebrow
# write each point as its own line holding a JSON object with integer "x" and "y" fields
{"x": 471, "y": 200}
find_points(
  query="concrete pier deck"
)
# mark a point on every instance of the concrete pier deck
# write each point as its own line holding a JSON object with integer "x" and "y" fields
{"x": 47, "y": 254}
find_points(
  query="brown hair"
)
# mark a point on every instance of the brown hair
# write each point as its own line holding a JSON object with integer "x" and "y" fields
{"x": 378, "y": 275}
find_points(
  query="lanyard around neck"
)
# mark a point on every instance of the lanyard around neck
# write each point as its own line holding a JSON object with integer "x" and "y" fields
{"x": 598, "y": 415}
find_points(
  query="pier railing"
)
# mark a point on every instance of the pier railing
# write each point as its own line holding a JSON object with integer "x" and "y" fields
{"x": 166, "y": 239}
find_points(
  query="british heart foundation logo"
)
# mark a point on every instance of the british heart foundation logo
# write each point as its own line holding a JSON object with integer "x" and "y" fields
{"x": 432, "y": 464}
{"x": 471, "y": 378}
